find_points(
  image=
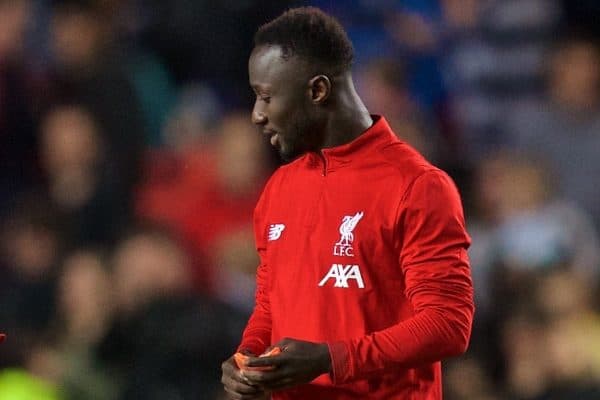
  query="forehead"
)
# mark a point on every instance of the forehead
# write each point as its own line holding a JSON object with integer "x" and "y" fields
{"x": 268, "y": 68}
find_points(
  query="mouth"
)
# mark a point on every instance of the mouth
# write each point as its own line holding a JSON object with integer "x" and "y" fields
{"x": 273, "y": 137}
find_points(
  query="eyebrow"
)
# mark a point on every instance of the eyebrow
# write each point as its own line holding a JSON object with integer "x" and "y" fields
{"x": 257, "y": 87}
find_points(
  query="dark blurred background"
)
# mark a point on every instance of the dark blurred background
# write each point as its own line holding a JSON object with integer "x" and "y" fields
{"x": 129, "y": 170}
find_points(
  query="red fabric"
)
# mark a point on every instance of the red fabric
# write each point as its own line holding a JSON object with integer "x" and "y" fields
{"x": 185, "y": 192}
{"x": 171, "y": 184}
{"x": 409, "y": 245}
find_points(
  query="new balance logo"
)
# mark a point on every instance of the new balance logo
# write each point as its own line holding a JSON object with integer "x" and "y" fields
{"x": 341, "y": 274}
{"x": 275, "y": 231}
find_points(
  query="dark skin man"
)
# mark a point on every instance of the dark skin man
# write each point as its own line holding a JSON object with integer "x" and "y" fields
{"x": 301, "y": 108}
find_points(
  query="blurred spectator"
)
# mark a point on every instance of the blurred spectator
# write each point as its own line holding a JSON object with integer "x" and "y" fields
{"x": 90, "y": 69}
{"x": 207, "y": 40}
{"x": 235, "y": 269}
{"x": 237, "y": 170}
{"x": 30, "y": 247}
{"x": 551, "y": 346}
{"x": 84, "y": 314}
{"x": 494, "y": 61}
{"x": 215, "y": 186}
{"x": 382, "y": 84}
{"x": 177, "y": 172}
{"x": 154, "y": 88}
{"x": 416, "y": 30}
{"x": 567, "y": 303}
{"x": 539, "y": 230}
{"x": 167, "y": 340}
{"x": 398, "y": 30}
{"x": 79, "y": 182}
{"x": 192, "y": 122}
{"x": 525, "y": 354}
{"x": 148, "y": 73}
{"x": 524, "y": 227}
{"x": 17, "y": 131}
{"x": 484, "y": 218}
{"x": 467, "y": 379}
{"x": 564, "y": 127}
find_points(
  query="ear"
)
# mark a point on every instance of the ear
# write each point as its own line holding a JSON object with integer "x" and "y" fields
{"x": 320, "y": 89}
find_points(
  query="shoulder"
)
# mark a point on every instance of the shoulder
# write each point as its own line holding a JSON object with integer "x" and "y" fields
{"x": 280, "y": 175}
{"x": 275, "y": 182}
{"x": 423, "y": 188}
{"x": 405, "y": 160}
{"x": 433, "y": 195}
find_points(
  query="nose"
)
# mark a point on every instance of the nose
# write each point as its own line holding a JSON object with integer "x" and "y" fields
{"x": 258, "y": 116}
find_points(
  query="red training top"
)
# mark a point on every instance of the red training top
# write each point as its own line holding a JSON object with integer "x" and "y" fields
{"x": 364, "y": 247}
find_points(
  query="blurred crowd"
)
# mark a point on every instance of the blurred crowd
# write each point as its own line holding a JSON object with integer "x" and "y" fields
{"x": 129, "y": 170}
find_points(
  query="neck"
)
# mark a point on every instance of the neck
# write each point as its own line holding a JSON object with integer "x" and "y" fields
{"x": 348, "y": 117}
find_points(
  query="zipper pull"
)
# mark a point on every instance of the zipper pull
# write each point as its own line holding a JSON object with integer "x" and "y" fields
{"x": 322, "y": 154}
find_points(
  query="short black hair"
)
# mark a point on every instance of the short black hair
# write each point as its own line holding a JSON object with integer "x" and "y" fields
{"x": 309, "y": 33}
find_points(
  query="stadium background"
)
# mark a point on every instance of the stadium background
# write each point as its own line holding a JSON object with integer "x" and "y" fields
{"x": 129, "y": 170}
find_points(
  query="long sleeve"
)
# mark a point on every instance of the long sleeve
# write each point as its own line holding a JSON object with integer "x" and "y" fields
{"x": 432, "y": 244}
{"x": 257, "y": 335}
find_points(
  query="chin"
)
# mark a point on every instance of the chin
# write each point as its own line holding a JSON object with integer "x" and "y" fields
{"x": 288, "y": 156}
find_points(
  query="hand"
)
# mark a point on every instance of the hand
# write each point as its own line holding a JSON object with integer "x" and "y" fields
{"x": 237, "y": 386}
{"x": 299, "y": 362}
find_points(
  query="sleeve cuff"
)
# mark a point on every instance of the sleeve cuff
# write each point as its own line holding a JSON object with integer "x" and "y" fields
{"x": 254, "y": 347}
{"x": 340, "y": 362}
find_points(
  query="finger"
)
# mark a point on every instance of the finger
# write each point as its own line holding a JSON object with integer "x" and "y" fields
{"x": 238, "y": 377}
{"x": 233, "y": 380}
{"x": 267, "y": 361}
{"x": 283, "y": 343}
{"x": 247, "y": 353}
{"x": 264, "y": 378}
{"x": 239, "y": 387}
{"x": 274, "y": 381}
{"x": 231, "y": 369}
{"x": 271, "y": 351}
{"x": 233, "y": 395}
{"x": 233, "y": 374}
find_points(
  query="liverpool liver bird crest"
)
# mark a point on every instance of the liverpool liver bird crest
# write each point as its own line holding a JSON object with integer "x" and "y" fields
{"x": 347, "y": 227}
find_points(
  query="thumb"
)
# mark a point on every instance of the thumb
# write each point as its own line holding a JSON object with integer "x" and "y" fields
{"x": 247, "y": 352}
{"x": 285, "y": 342}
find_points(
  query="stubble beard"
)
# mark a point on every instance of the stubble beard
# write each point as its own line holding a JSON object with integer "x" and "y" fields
{"x": 294, "y": 144}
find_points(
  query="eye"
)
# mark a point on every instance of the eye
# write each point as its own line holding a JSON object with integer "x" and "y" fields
{"x": 266, "y": 99}
{"x": 261, "y": 96}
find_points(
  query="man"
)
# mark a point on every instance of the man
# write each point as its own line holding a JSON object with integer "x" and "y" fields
{"x": 364, "y": 282}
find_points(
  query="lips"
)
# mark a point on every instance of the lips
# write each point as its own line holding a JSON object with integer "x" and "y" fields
{"x": 273, "y": 137}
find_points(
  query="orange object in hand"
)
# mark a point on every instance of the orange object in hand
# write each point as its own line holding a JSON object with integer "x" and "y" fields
{"x": 241, "y": 360}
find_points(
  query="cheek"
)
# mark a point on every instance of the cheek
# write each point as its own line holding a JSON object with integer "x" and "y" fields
{"x": 279, "y": 113}
{"x": 305, "y": 124}
{"x": 285, "y": 107}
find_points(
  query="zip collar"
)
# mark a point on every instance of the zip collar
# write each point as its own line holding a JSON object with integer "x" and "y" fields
{"x": 370, "y": 140}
